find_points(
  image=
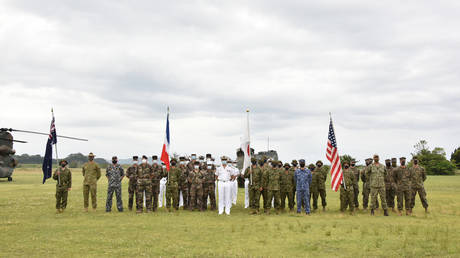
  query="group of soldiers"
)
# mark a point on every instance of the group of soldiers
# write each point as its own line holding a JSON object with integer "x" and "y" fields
{"x": 388, "y": 181}
{"x": 195, "y": 180}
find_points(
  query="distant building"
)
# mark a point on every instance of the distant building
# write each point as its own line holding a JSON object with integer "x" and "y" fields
{"x": 271, "y": 154}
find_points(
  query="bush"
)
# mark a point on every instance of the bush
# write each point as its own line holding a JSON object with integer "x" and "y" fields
{"x": 434, "y": 161}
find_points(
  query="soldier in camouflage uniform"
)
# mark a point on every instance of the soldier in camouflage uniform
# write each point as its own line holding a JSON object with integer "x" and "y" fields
{"x": 376, "y": 174}
{"x": 293, "y": 168}
{"x": 91, "y": 173}
{"x": 63, "y": 178}
{"x": 265, "y": 170}
{"x": 114, "y": 174}
{"x": 418, "y": 177}
{"x": 196, "y": 178}
{"x": 390, "y": 185}
{"x": 131, "y": 174}
{"x": 144, "y": 186}
{"x": 346, "y": 189}
{"x": 355, "y": 171}
{"x": 209, "y": 186}
{"x": 366, "y": 185}
{"x": 255, "y": 185}
{"x": 287, "y": 185}
{"x": 272, "y": 181}
{"x": 321, "y": 184}
{"x": 314, "y": 193}
{"x": 157, "y": 172}
{"x": 402, "y": 178}
{"x": 172, "y": 186}
{"x": 184, "y": 184}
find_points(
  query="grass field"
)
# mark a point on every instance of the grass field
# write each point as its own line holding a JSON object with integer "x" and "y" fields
{"x": 30, "y": 227}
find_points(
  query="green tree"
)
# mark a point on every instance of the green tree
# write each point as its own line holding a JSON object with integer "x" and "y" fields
{"x": 434, "y": 161}
{"x": 346, "y": 157}
{"x": 455, "y": 157}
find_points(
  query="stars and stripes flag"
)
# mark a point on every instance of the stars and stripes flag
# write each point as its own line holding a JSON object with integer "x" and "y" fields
{"x": 245, "y": 145}
{"x": 165, "y": 152}
{"x": 48, "y": 159}
{"x": 332, "y": 155}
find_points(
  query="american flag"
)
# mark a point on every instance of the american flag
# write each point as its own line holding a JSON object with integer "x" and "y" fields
{"x": 333, "y": 156}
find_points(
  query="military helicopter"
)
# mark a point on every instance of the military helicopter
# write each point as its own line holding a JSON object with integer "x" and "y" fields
{"x": 7, "y": 162}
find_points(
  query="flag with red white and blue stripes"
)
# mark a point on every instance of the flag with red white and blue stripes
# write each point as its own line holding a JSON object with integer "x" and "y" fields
{"x": 165, "y": 152}
{"x": 332, "y": 155}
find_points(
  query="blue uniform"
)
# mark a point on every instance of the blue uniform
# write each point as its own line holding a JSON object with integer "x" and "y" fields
{"x": 302, "y": 178}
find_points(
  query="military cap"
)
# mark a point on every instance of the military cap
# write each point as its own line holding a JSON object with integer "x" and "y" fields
{"x": 319, "y": 161}
{"x": 415, "y": 157}
{"x": 213, "y": 159}
{"x": 208, "y": 155}
{"x": 181, "y": 158}
{"x": 135, "y": 157}
{"x": 63, "y": 160}
{"x": 201, "y": 157}
{"x": 154, "y": 157}
{"x": 173, "y": 160}
{"x": 402, "y": 158}
{"x": 287, "y": 165}
{"x": 368, "y": 159}
{"x": 353, "y": 161}
{"x": 294, "y": 161}
{"x": 311, "y": 166}
{"x": 346, "y": 162}
{"x": 196, "y": 163}
{"x": 376, "y": 155}
{"x": 91, "y": 154}
{"x": 253, "y": 160}
{"x": 223, "y": 158}
{"x": 393, "y": 159}
{"x": 193, "y": 154}
{"x": 388, "y": 160}
{"x": 114, "y": 157}
{"x": 144, "y": 157}
{"x": 301, "y": 161}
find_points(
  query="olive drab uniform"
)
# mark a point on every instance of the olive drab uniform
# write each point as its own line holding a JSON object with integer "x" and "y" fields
{"x": 172, "y": 187}
{"x": 196, "y": 179}
{"x": 418, "y": 177}
{"x": 114, "y": 174}
{"x": 267, "y": 203}
{"x": 254, "y": 187}
{"x": 185, "y": 186}
{"x": 403, "y": 177}
{"x": 209, "y": 188}
{"x": 366, "y": 188}
{"x": 390, "y": 187}
{"x": 131, "y": 174}
{"x": 144, "y": 186}
{"x": 287, "y": 186}
{"x": 356, "y": 173}
{"x": 157, "y": 174}
{"x": 347, "y": 190}
{"x": 376, "y": 174}
{"x": 63, "y": 183}
{"x": 321, "y": 176}
{"x": 272, "y": 181}
{"x": 91, "y": 173}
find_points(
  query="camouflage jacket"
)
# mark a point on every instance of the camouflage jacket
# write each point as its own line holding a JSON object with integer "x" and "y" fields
{"x": 272, "y": 179}
{"x": 322, "y": 176}
{"x": 364, "y": 177}
{"x": 91, "y": 173}
{"x": 376, "y": 174}
{"x": 174, "y": 176}
{"x": 264, "y": 182}
{"x": 183, "y": 179}
{"x": 402, "y": 177}
{"x": 131, "y": 173}
{"x": 256, "y": 177}
{"x": 209, "y": 177}
{"x": 356, "y": 173}
{"x": 287, "y": 181}
{"x": 144, "y": 172}
{"x": 65, "y": 178}
{"x": 348, "y": 178}
{"x": 157, "y": 174}
{"x": 196, "y": 178}
{"x": 114, "y": 174}
{"x": 418, "y": 176}
{"x": 389, "y": 179}
{"x": 315, "y": 177}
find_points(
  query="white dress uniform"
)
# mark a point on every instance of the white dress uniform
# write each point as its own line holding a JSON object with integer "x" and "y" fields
{"x": 161, "y": 195}
{"x": 246, "y": 193}
{"x": 224, "y": 184}
{"x": 235, "y": 185}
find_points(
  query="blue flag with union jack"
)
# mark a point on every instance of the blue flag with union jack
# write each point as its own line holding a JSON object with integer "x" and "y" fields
{"x": 48, "y": 159}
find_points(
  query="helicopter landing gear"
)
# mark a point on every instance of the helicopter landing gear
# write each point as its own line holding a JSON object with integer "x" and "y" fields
{"x": 10, "y": 179}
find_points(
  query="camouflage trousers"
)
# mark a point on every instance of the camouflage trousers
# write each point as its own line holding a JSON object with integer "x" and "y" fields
{"x": 196, "y": 197}
{"x": 290, "y": 196}
{"x": 366, "y": 193}
{"x": 254, "y": 198}
{"x": 303, "y": 197}
{"x": 404, "y": 199}
{"x": 87, "y": 189}
{"x": 108, "y": 204}
{"x": 144, "y": 186}
{"x": 422, "y": 194}
{"x": 131, "y": 191}
{"x": 266, "y": 202}
{"x": 185, "y": 196}
{"x": 390, "y": 196}
{"x": 275, "y": 195}
{"x": 347, "y": 198}
{"x": 209, "y": 190}
{"x": 61, "y": 198}
{"x": 375, "y": 192}
{"x": 155, "y": 193}
{"x": 172, "y": 194}
{"x": 316, "y": 194}
{"x": 356, "y": 195}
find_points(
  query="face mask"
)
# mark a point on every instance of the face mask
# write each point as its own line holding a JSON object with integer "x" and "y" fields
{"x": 182, "y": 162}
{"x": 319, "y": 165}
{"x": 173, "y": 163}
{"x": 346, "y": 166}
{"x": 287, "y": 168}
{"x": 403, "y": 163}
{"x": 63, "y": 165}
{"x": 91, "y": 159}
{"x": 415, "y": 162}
{"x": 208, "y": 160}
{"x": 302, "y": 165}
{"x": 114, "y": 162}
{"x": 224, "y": 162}
{"x": 352, "y": 165}
{"x": 144, "y": 161}
{"x": 209, "y": 167}
{"x": 193, "y": 157}
{"x": 196, "y": 167}
{"x": 135, "y": 162}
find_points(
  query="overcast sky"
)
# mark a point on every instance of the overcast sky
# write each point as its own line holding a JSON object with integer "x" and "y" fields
{"x": 387, "y": 70}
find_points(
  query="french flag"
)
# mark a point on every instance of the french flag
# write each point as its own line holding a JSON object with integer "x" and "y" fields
{"x": 165, "y": 151}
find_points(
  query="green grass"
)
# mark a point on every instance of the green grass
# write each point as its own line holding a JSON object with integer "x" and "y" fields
{"x": 30, "y": 227}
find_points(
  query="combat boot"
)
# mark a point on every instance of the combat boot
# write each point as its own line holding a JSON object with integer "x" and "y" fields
{"x": 399, "y": 213}
{"x": 85, "y": 210}
{"x": 393, "y": 210}
{"x": 407, "y": 212}
{"x": 426, "y": 210}
{"x": 291, "y": 210}
{"x": 324, "y": 208}
{"x": 58, "y": 211}
{"x": 385, "y": 212}
{"x": 372, "y": 212}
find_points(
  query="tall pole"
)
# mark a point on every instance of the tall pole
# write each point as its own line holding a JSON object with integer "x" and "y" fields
{"x": 55, "y": 148}
{"x": 249, "y": 149}
{"x": 169, "y": 144}
{"x": 268, "y": 144}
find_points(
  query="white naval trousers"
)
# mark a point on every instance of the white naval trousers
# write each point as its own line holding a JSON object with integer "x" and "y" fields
{"x": 225, "y": 196}
{"x": 162, "y": 194}
{"x": 234, "y": 191}
{"x": 246, "y": 193}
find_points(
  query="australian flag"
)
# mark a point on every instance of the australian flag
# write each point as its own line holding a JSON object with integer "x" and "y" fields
{"x": 48, "y": 160}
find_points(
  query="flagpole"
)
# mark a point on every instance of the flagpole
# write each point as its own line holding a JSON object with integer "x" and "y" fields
{"x": 167, "y": 117}
{"x": 343, "y": 178}
{"x": 55, "y": 147}
{"x": 249, "y": 149}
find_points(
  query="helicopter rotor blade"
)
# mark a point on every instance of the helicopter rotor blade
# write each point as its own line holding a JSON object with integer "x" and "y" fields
{"x": 32, "y": 132}
{"x": 5, "y": 139}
